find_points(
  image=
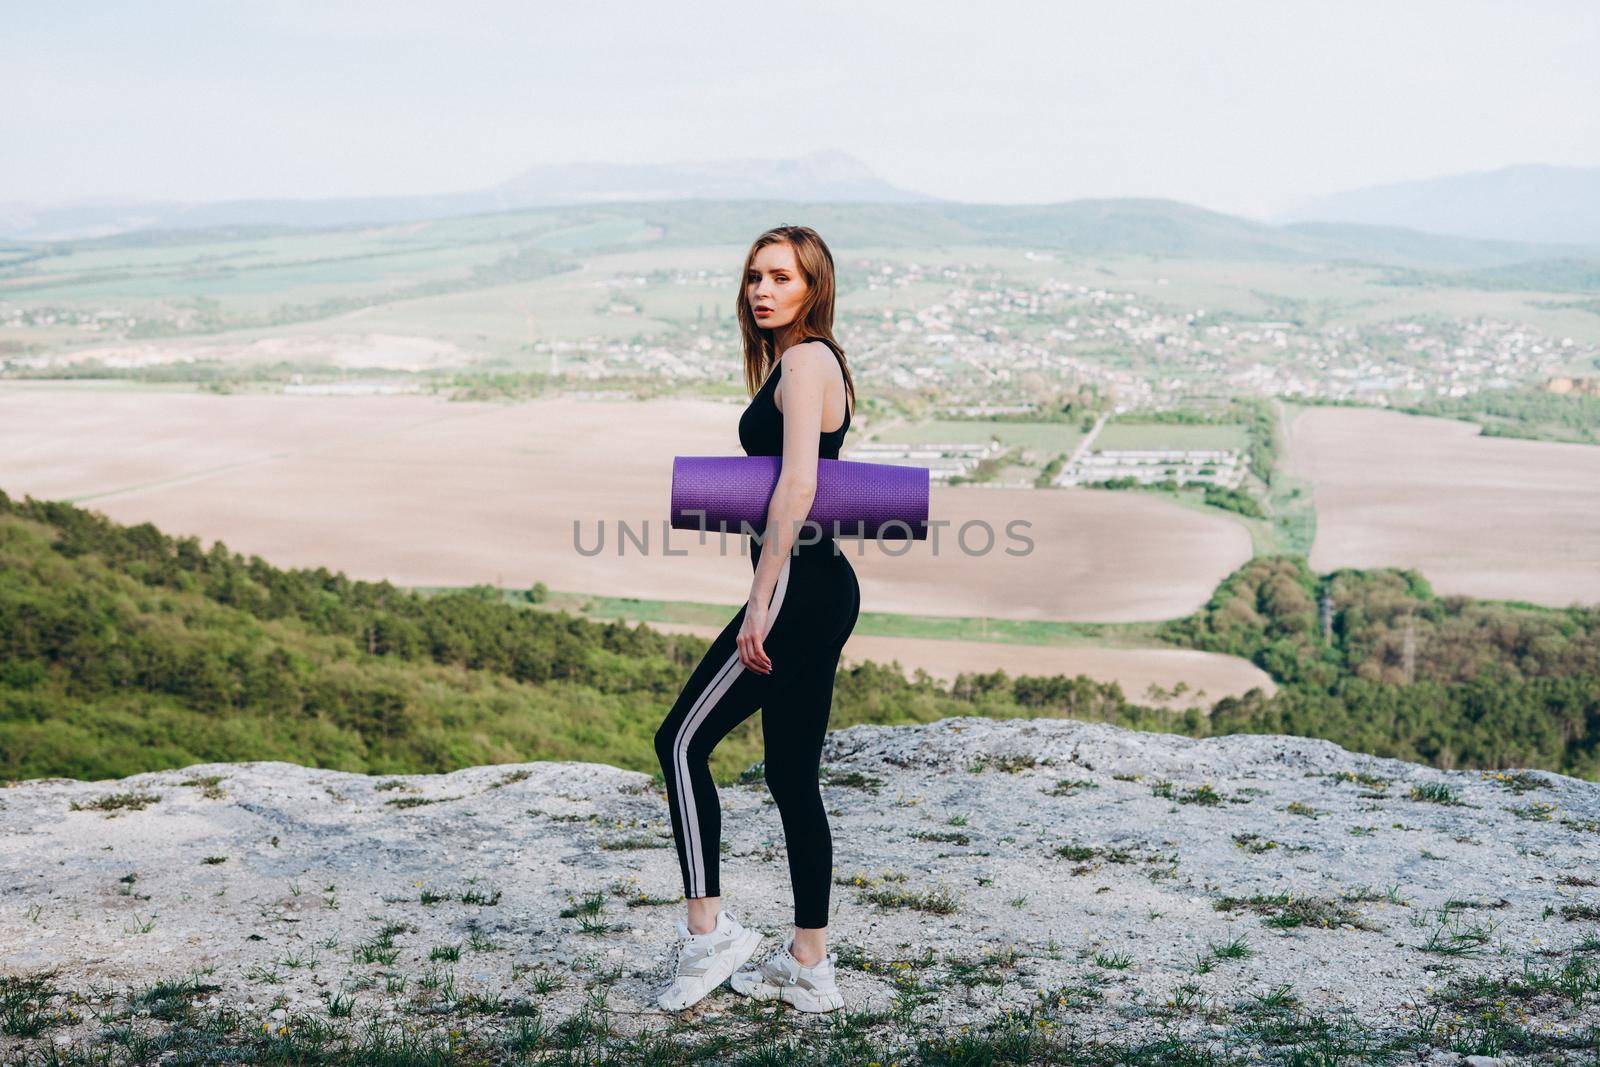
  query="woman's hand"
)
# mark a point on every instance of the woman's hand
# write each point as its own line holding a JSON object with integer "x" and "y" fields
{"x": 751, "y": 654}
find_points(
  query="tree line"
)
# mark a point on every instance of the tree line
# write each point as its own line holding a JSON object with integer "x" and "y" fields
{"x": 124, "y": 649}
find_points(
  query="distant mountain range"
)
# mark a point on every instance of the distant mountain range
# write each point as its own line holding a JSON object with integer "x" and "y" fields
{"x": 1099, "y": 227}
{"x": 728, "y": 201}
{"x": 1089, "y": 228}
{"x": 818, "y": 177}
{"x": 1523, "y": 203}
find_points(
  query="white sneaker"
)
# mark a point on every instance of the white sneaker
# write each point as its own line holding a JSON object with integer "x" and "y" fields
{"x": 704, "y": 961}
{"x": 782, "y": 977}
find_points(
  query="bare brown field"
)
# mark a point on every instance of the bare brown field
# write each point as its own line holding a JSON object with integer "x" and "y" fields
{"x": 1478, "y": 516}
{"x": 1210, "y": 676}
{"x": 423, "y": 491}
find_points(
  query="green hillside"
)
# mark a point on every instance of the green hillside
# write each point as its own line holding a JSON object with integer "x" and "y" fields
{"x": 125, "y": 650}
{"x": 1086, "y": 227}
{"x": 1565, "y": 274}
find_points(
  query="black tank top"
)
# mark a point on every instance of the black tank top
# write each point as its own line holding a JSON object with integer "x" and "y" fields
{"x": 761, "y": 425}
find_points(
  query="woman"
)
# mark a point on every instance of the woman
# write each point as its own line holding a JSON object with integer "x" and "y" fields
{"x": 781, "y": 651}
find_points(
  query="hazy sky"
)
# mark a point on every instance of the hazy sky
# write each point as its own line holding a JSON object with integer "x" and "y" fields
{"x": 1239, "y": 106}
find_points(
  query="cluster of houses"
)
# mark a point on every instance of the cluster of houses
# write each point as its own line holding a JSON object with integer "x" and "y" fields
{"x": 943, "y": 460}
{"x": 1218, "y": 466}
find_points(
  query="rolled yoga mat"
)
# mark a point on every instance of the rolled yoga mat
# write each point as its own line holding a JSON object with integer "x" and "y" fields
{"x": 853, "y": 499}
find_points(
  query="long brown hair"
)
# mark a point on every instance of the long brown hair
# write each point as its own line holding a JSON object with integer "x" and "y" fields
{"x": 816, "y": 314}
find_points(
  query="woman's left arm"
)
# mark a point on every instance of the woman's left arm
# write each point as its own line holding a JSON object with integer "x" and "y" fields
{"x": 805, "y": 382}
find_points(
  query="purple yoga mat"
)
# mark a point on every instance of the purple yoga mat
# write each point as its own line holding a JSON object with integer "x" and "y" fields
{"x": 853, "y": 499}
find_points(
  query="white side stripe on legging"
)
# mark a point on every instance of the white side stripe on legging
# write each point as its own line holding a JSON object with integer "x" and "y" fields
{"x": 703, "y": 706}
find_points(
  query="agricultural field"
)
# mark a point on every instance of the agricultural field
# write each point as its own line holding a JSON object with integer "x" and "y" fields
{"x": 1173, "y": 678}
{"x": 1042, "y": 438}
{"x": 1480, "y": 516}
{"x": 424, "y": 491}
{"x": 1163, "y": 435}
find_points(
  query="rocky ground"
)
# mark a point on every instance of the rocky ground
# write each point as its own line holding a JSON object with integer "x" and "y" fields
{"x": 1018, "y": 891}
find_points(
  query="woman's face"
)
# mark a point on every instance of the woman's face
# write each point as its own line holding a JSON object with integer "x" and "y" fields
{"x": 775, "y": 289}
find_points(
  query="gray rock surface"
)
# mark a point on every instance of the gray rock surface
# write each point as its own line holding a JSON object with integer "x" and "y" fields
{"x": 277, "y": 875}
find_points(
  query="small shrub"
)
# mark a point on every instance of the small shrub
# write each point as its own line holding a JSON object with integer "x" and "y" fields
{"x": 1538, "y": 811}
{"x": 936, "y": 901}
{"x": 1518, "y": 783}
{"x": 1254, "y": 843}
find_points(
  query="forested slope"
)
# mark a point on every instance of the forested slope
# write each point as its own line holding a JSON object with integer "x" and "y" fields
{"x": 123, "y": 650}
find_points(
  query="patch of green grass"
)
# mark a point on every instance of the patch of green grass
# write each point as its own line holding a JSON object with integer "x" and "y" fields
{"x": 940, "y": 901}
{"x": 1237, "y": 949}
{"x": 1453, "y": 938}
{"x": 1204, "y": 794}
{"x": 417, "y": 802}
{"x": 1286, "y": 910}
{"x": 25, "y": 1005}
{"x": 1575, "y": 983}
{"x": 1083, "y": 853}
{"x": 1538, "y": 811}
{"x": 1009, "y": 763}
{"x": 866, "y": 881}
{"x": 591, "y": 904}
{"x": 1478, "y": 1014}
{"x": 1519, "y": 783}
{"x": 1254, "y": 843}
{"x": 1277, "y": 999}
{"x": 510, "y": 778}
{"x": 1434, "y": 793}
{"x": 988, "y": 968}
{"x": 852, "y": 780}
{"x": 1372, "y": 781}
{"x": 208, "y": 785}
{"x": 380, "y": 947}
{"x": 633, "y": 842}
{"x": 1067, "y": 787}
{"x": 129, "y": 801}
{"x": 1362, "y": 894}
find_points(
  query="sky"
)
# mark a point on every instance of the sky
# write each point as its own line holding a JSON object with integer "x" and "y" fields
{"x": 1241, "y": 106}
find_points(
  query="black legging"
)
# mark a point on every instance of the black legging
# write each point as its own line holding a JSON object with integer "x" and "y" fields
{"x": 812, "y": 612}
